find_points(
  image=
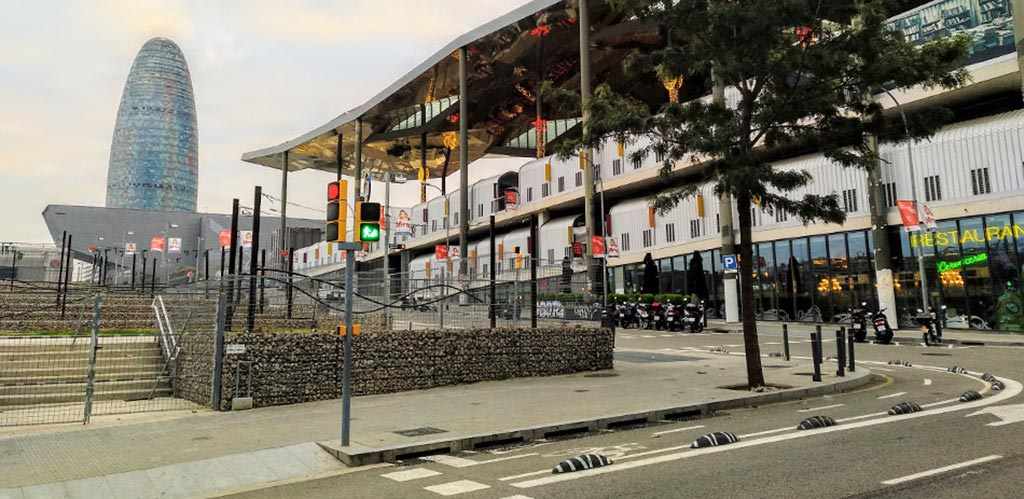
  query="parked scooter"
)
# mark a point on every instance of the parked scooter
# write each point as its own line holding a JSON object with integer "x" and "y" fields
{"x": 693, "y": 317}
{"x": 657, "y": 316}
{"x": 644, "y": 317}
{"x": 625, "y": 315}
{"x": 931, "y": 327}
{"x": 883, "y": 331}
{"x": 673, "y": 320}
{"x": 859, "y": 323}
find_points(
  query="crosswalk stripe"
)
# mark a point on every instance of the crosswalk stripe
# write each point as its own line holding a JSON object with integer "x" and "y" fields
{"x": 413, "y": 474}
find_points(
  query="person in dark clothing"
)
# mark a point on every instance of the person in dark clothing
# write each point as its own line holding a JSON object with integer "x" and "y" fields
{"x": 651, "y": 276}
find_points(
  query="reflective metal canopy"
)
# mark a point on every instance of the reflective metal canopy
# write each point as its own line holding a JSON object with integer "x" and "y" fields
{"x": 508, "y": 58}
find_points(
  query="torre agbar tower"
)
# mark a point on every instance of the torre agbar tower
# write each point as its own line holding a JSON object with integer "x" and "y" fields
{"x": 154, "y": 155}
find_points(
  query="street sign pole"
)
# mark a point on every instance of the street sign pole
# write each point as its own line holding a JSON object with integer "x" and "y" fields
{"x": 346, "y": 383}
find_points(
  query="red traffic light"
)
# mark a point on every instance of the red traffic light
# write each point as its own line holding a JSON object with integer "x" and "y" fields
{"x": 333, "y": 191}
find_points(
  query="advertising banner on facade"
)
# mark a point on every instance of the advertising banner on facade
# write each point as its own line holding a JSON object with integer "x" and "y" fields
{"x": 454, "y": 252}
{"x": 246, "y": 238}
{"x": 989, "y": 25}
{"x": 929, "y": 218}
{"x": 613, "y": 248}
{"x": 129, "y": 249}
{"x": 441, "y": 252}
{"x": 909, "y": 215}
{"x": 156, "y": 244}
{"x": 597, "y": 246}
{"x": 225, "y": 238}
{"x": 403, "y": 226}
{"x": 174, "y": 245}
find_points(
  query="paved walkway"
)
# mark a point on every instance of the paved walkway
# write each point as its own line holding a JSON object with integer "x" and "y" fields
{"x": 206, "y": 452}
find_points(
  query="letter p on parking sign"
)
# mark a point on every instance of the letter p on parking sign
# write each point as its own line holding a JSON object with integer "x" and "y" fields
{"x": 730, "y": 263}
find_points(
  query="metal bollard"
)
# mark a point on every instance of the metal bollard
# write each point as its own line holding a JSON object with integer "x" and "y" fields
{"x": 816, "y": 356}
{"x": 853, "y": 367}
{"x": 821, "y": 348}
{"x": 785, "y": 341}
{"x": 841, "y": 352}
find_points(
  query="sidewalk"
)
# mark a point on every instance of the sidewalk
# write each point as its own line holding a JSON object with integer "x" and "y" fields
{"x": 207, "y": 452}
{"x": 903, "y": 335}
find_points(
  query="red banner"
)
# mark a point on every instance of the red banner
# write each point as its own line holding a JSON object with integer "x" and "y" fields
{"x": 909, "y": 215}
{"x": 597, "y": 245}
{"x": 157, "y": 244}
{"x": 225, "y": 238}
{"x": 577, "y": 250}
{"x": 511, "y": 197}
{"x": 440, "y": 252}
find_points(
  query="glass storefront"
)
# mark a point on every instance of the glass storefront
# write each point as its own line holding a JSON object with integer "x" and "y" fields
{"x": 974, "y": 267}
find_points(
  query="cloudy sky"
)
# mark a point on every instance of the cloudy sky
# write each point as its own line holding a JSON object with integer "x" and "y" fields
{"x": 264, "y": 71}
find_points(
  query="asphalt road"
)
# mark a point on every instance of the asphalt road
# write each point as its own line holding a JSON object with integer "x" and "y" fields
{"x": 867, "y": 455}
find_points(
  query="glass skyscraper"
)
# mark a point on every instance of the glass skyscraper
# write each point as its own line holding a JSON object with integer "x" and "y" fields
{"x": 154, "y": 155}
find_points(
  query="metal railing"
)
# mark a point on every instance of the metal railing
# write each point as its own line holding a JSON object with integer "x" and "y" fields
{"x": 163, "y": 321}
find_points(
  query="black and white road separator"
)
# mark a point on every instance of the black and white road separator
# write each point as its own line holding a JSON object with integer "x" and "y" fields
{"x": 775, "y": 355}
{"x": 579, "y": 463}
{"x": 970, "y": 396}
{"x": 988, "y": 377}
{"x": 957, "y": 370}
{"x": 719, "y": 350}
{"x": 904, "y": 408}
{"x": 998, "y": 385}
{"x": 714, "y": 439}
{"x": 899, "y": 362}
{"x": 815, "y": 422}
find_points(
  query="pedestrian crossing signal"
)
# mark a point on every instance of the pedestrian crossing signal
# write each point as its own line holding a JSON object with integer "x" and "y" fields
{"x": 367, "y": 222}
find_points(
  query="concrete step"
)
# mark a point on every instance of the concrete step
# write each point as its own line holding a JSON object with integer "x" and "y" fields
{"x": 78, "y": 386}
{"x": 29, "y": 360}
{"x": 78, "y": 373}
{"x": 83, "y": 346}
{"x": 73, "y": 397}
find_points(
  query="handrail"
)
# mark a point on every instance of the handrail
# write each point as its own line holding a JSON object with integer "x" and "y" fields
{"x": 167, "y": 339}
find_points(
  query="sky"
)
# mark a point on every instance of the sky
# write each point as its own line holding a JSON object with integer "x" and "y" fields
{"x": 263, "y": 72}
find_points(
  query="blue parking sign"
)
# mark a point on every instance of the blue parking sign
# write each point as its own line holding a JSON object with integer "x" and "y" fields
{"x": 730, "y": 262}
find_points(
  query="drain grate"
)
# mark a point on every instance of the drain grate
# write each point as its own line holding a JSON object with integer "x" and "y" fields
{"x": 601, "y": 375}
{"x": 937, "y": 354}
{"x": 419, "y": 432}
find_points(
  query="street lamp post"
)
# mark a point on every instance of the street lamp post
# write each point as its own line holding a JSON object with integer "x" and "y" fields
{"x": 917, "y": 208}
{"x": 604, "y": 228}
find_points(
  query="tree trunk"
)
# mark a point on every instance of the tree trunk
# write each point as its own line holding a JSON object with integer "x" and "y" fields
{"x": 755, "y": 375}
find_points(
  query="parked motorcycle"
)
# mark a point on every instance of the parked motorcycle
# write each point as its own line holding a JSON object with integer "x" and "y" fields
{"x": 931, "y": 329}
{"x": 673, "y": 320}
{"x": 693, "y": 317}
{"x": 883, "y": 331}
{"x": 644, "y": 318}
{"x": 859, "y": 323}
{"x": 657, "y": 316}
{"x": 625, "y": 315}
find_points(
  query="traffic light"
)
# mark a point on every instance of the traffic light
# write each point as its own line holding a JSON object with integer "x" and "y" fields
{"x": 367, "y": 222}
{"x": 337, "y": 211}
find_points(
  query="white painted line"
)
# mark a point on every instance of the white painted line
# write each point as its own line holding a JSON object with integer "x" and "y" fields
{"x": 454, "y": 462}
{"x": 413, "y": 474}
{"x": 941, "y": 402}
{"x": 666, "y": 432}
{"x": 882, "y": 369}
{"x": 892, "y": 395}
{"x": 812, "y": 409}
{"x": 509, "y": 458}
{"x": 766, "y": 432}
{"x": 927, "y": 382}
{"x": 1013, "y": 389}
{"x": 517, "y": 496}
{"x": 525, "y": 475}
{"x": 647, "y": 336}
{"x": 648, "y": 453}
{"x": 943, "y": 469}
{"x": 459, "y": 487}
{"x": 666, "y": 335}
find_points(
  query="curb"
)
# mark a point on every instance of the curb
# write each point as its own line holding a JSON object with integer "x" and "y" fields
{"x": 361, "y": 455}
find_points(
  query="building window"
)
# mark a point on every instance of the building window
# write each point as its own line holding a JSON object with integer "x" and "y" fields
{"x": 670, "y": 233}
{"x": 561, "y": 184}
{"x": 890, "y": 194}
{"x": 625, "y": 241}
{"x": 456, "y": 219}
{"x": 753, "y": 217}
{"x": 425, "y": 215}
{"x": 433, "y": 226}
{"x": 568, "y": 251}
{"x": 932, "y": 189}
{"x": 850, "y": 200}
{"x": 658, "y": 156}
{"x": 781, "y": 216}
{"x": 617, "y": 167}
{"x": 480, "y": 210}
{"x": 551, "y": 257}
{"x": 529, "y": 194}
{"x": 579, "y": 179}
{"x": 545, "y": 190}
{"x": 980, "y": 183}
{"x": 718, "y": 223}
{"x": 695, "y": 228}
{"x": 648, "y": 236}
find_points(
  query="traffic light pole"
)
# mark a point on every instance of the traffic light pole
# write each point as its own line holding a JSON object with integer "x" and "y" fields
{"x": 346, "y": 376}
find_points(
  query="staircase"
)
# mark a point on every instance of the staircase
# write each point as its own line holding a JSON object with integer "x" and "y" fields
{"x": 48, "y": 370}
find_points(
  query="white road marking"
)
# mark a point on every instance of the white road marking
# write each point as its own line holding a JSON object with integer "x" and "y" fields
{"x": 812, "y": 409}
{"x": 454, "y": 462}
{"x": 509, "y": 458}
{"x": 518, "y": 496}
{"x": 666, "y": 432}
{"x": 666, "y": 335}
{"x": 892, "y": 395}
{"x": 532, "y": 473}
{"x": 459, "y": 487}
{"x": 648, "y": 453}
{"x": 1013, "y": 388}
{"x": 413, "y": 474}
{"x": 766, "y": 432}
{"x": 1007, "y": 414}
{"x": 927, "y": 382}
{"x": 882, "y": 369}
{"x": 943, "y": 469}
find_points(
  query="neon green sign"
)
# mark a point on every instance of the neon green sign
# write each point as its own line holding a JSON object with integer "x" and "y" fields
{"x": 980, "y": 257}
{"x": 369, "y": 232}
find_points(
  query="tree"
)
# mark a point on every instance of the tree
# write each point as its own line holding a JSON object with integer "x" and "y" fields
{"x": 802, "y": 74}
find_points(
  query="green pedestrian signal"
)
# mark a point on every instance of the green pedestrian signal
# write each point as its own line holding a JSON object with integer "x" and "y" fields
{"x": 368, "y": 219}
{"x": 369, "y": 231}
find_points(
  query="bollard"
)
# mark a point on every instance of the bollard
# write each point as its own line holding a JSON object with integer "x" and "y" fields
{"x": 841, "y": 352}
{"x": 816, "y": 356}
{"x": 785, "y": 341}
{"x": 853, "y": 367}
{"x": 821, "y": 349}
